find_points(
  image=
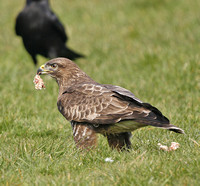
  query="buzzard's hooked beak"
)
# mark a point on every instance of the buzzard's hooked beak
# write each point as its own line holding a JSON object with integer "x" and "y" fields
{"x": 42, "y": 70}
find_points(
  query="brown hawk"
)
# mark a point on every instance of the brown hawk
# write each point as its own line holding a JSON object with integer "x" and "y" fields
{"x": 97, "y": 108}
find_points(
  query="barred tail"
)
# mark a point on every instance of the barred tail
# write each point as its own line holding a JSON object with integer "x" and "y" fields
{"x": 169, "y": 127}
{"x": 174, "y": 129}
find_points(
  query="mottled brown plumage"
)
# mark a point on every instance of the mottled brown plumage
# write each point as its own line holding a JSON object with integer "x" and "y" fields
{"x": 96, "y": 108}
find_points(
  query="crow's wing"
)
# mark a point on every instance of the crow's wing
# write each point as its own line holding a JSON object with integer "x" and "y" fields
{"x": 57, "y": 25}
{"x": 18, "y": 25}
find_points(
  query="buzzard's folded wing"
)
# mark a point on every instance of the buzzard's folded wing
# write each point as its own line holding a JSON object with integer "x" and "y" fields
{"x": 97, "y": 104}
{"x": 122, "y": 91}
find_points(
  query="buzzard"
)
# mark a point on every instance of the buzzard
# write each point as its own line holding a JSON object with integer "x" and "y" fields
{"x": 42, "y": 32}
{"x": 100, "y": 108}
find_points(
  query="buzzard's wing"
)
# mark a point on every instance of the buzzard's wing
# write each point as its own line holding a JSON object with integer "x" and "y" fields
{"x": 123, "y": 92}
{"x": 98, "y": 104}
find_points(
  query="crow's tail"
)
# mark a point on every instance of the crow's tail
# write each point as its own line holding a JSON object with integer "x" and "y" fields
{"x": 72, "y": 55}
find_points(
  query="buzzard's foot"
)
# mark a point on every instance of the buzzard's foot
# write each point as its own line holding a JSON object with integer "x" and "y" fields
{"x": 119, "y": 141}
{"x": 84, "y": 136}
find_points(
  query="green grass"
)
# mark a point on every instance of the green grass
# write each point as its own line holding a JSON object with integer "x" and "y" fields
{"x": 150, "y": 47}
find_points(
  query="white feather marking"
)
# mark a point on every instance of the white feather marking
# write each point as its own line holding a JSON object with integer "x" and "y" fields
{"x": 146, "y": 111}
{"x": 98, "y": 88}
{"x": 73, "y": 111}
{"x": 92, "y": 116}
{"x": 77, "y": 130}
{"x": 79, "y": 115}
{"x": 74, "y": 129}
{"x": 89, "y": 88}
{"x": 84, "y": 132}
{"x": 68, "y": 113}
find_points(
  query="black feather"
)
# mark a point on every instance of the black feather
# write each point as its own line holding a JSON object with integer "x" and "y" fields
{"x": 156, "y": 112}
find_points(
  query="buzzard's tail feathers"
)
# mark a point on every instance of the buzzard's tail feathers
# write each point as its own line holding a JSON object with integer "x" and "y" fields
{"x": 171, "y": 128}
{"x": 176, "y": 129}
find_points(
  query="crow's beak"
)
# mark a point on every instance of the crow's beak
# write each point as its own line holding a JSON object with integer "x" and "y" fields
{"x": 42, "y": 70}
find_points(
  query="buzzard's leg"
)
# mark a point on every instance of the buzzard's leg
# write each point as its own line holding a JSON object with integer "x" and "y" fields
{"x": 119, "y": 141}
{"x": 84, "y": 136}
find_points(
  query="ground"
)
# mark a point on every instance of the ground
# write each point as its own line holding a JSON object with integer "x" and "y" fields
{"x": 149, "y": 47}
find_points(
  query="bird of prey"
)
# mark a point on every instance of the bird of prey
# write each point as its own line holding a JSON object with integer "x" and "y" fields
{"x": 100, "y": 108}
{"x": 42, "y": 32}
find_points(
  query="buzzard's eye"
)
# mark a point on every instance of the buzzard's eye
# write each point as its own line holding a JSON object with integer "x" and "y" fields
{"x": 54, "y": 65}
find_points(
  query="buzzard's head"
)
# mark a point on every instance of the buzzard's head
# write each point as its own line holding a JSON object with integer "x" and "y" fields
{"x": 64, "y": 71}
{"x": 58, "y": 67}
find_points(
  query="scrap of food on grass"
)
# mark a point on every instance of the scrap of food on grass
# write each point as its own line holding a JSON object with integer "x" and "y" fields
{"x": 172, "y": 147}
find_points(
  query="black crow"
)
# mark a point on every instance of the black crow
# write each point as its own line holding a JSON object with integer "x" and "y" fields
{"x": 42, "y": 32}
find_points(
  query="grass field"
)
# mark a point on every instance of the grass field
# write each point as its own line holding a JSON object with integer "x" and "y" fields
{"x": 151, "y": 47}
